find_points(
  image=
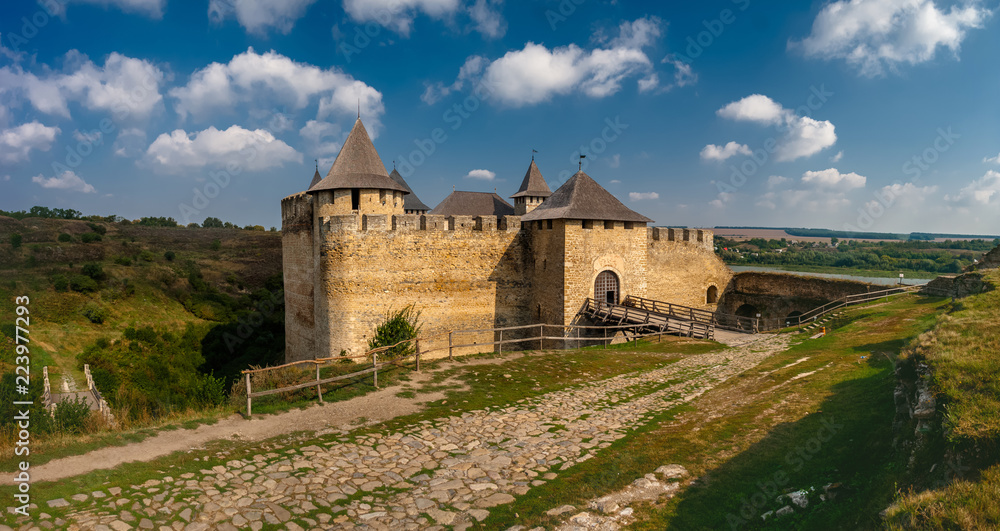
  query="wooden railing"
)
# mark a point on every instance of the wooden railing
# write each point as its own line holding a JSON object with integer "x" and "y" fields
{"x": 649, "y": 317}
{"x": 677, "y": 311}
{"x": 514, "y": 335}
{"x": 850, "y": 300}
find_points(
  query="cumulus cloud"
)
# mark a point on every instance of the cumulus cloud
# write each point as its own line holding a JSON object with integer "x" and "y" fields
{"x": 802, "y": 136}
{"x": 994, "y": 160}
{"x": 271, "y": 79}
{"x": 723, "y": 199}
{"x": 483, "y": 175}
{"x": 831, "y": 178}
{"x": 131, "y": 142}
{"x": 643, "y": 196}
{"x": 980, "y": 192}
{"x": 398, "y": 15}
{"x": 17, "y": 142}
{"x": 126, "y": 87}
{"x": 775, "y": 181}
{"x": 322, "y": 137}
{"x": 535, "y": 73}
{"x": 435, "y": 92}
{"x": 714, "y": 152}
{"x": 488, "y": 19}
{"x": 901, "y": 194}
{"x": 807, "y": 202}
{"x": 180, "y": 151}
{"x": 67, "y": 180}
{"x": 875, "y": 35}
{"x": 260, "y": 16}
{"x": 836, "y": 158}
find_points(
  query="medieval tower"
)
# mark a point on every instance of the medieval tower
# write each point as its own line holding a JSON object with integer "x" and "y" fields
{"x": 358, "y": 244}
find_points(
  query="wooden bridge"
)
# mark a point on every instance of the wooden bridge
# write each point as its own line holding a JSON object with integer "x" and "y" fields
{"x": 648, "y": 320}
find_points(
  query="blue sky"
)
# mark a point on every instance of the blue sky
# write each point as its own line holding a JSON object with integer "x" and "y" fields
{"x": 862, "y": 114}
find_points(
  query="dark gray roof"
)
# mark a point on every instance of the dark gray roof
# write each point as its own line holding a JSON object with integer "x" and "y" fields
{"x": 582, "y": 198}
{"x": 357, "y": 166}
{"x": 316, "y": 178}
{"x": 473, "y": 204}
{"x": 410, "y": 201}
{"x": 534, "y": 184}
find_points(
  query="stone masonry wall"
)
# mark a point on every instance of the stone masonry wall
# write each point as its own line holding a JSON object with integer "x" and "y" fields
{"x": 683, "y": 265}
{"x": 298, "y": 264}
{"x": 462, "y": 273}
{"x": 589, "y": 251}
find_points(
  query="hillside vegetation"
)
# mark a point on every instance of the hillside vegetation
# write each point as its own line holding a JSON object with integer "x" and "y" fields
{"x": 164, "y": 315}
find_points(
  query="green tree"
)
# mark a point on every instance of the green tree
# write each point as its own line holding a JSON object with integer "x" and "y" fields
{"x": 15, "y": 240}
{"x": 399, "y": 326}
{"x": 212, "y": 223}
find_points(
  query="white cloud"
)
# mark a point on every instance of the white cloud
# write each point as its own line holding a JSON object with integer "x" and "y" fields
{"x": 994, "y": 160}
{"x": 126, "y": 87}
{"x": 980, "y": 192}
{"x": 803, "y": 136}
{"x": 723, "y": 199}
{"x": 775, "y": 181}
{"x": 535, "y": 73}
{"x": 398, "y": 15}
{"x": 67, "y": 180}
{"x": 615, "y": 181}
{"x": 805, "y": 202}
{"x": 836, "y": 158}
{"x": 643, "y": 196}
{"x": 271, "y": 79}
{"x": 322, "y": 137}
{"x": 93, "y": 137}
{"x": 131, "y": 142}
{"x": 872, "y": 35}
{"x": 488, "y": 18}
{"x": 150, "y": 8}
{"x": 831, "y": 178}
{"x": 615, "y": 161}
{"x": 259, "y": 16}
{"x": 6, "y": 177}
{"x": 181, "y": 151}
{"x": 484, "y": 175}
{"x": 17, "y": 142}
{"x": 714, "y": 152}
{"x": 435, "y": 92}
{"x": 901, "y": 194}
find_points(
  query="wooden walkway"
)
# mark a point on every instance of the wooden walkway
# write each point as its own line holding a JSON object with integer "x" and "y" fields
{"x": 646, "y": 320}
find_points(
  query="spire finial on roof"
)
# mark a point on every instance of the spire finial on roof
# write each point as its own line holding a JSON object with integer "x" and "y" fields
{"x": 317, "y": 164}
{"x": 533, "y": 151}
{"x": 359, "y": 108}
{"x": 581, "y": 161}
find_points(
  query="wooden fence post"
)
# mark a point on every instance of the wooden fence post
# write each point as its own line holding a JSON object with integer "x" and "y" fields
{"x": 605, "y": 338}
{"x": 375, "y": 366}
{"x": 249, "y": 411}
{"x": 417, "y": 341}
{"x": 451, "y": 355}
{"x": 541, "y": 333}
{"x": 500, "y": 344}
{"x": 319, "y": 390}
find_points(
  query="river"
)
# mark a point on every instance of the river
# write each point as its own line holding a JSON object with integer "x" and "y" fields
{"x": 882, "y": 281}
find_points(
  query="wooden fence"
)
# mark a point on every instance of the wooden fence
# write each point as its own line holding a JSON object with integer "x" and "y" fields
{"x": 571, "y": 337}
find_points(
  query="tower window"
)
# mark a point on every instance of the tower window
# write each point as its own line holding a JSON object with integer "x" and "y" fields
{"x": 355, "y": 199}
{"x": 608, "y": 225}
{"x": 548, "y": 224}
{"x": 588, "y": 223}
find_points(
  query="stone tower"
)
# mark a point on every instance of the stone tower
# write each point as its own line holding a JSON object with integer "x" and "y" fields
{"x": 532, "y": 192}
{"x": 357, "y": 182}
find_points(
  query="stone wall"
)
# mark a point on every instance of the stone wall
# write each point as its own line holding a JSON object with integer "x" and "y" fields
{"x": 776, "y": 295}
{"x": 298, "y": 264}
{"x": 605, "y": 246}
{"x": 338, "y": 202}
{"x": 462, "y": 273}
{"x": 683, "y": 266}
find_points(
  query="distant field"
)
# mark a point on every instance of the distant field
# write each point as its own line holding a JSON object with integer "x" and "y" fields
{"x": 771, "y": 234}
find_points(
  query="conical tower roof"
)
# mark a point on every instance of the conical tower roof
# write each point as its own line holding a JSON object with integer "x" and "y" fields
{"x": 357, "y": 166}
{"x": 582, "y": 198}
{"x": 316, "y": 179}
{"x": 410, "y": 201}
{"x": 534, "y": 184}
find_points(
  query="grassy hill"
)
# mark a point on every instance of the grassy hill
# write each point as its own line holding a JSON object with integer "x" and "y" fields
{"x": 152, "y": 309}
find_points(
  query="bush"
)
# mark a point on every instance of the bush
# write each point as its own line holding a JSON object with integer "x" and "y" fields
{"x": 399, "y": 326}
{"x": 216, "y": 245}
{"x": 70, "y": 416}
{"x": 15, "y": 240}
{"x": 212, "y": 223}
{"x": 60, "y": 282}
{"x": 147, "y": 256}
{"x": 100, "y": 229}
{"x": 82, "y": 283}
{"x": 65, "y": 237}
{"x": 90, "y": 237}
{"x": 169, "y": 256}
{"x": 94, "y": 271}
{"x": 95, "y": 313}
{"x": 123, "y": 260}
{"x": 193, "y": 225}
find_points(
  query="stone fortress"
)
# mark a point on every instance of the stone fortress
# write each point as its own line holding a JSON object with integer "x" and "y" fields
{"x": 359, "y": 243}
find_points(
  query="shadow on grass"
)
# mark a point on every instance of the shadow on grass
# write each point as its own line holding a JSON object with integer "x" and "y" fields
{"x": 848, "y": 442}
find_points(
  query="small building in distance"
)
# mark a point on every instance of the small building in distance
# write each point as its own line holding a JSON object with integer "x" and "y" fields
{"x": 353, "y": 250}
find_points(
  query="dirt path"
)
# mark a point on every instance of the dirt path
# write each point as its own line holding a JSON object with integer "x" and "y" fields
{"x": 379, "y": 406}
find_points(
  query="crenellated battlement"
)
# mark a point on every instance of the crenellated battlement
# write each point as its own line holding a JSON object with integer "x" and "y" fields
{"x": 297, "y": 212}
{"x": 698, "y": 237}
{"x": 416, "y": 223}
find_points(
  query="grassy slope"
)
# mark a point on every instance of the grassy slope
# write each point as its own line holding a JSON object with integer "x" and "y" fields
{"x": 962, "y": 354}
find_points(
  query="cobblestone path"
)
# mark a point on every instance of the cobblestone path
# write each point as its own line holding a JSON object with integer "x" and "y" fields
{"x": 445, "y": 472}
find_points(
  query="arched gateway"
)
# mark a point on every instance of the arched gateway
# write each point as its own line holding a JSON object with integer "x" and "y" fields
{"x": 607, "y": 287}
